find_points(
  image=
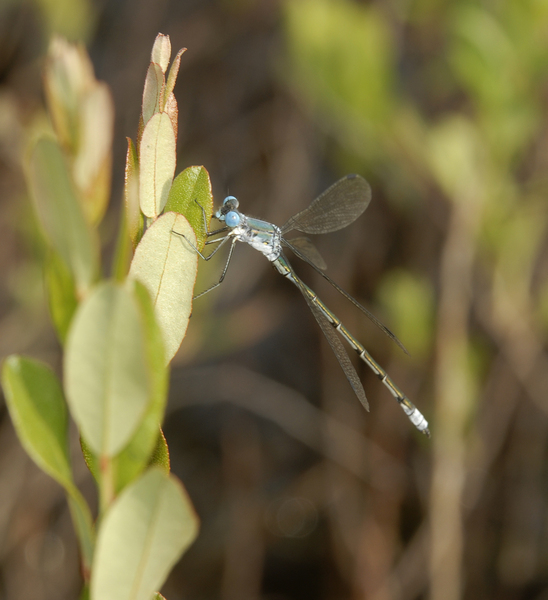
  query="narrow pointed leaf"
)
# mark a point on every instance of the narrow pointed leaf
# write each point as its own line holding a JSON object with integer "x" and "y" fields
{"x": 166, "y": 264}
{"x": 173, "y": 72}
{"x": 157, "y": 164}
{"x": 83, "y": 525}
{"x": 59, "y": 211}
{"x": 141, "y": 537}
{"x": 191, "y": 190}
{"x": 107, "y": 378}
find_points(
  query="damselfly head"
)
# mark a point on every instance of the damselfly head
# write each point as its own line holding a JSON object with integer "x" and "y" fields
{"x": 229, "y": 203}
{"x": 229, "y": 212}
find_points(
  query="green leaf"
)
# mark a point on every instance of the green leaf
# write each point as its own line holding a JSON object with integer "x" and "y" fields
{"x": 39, "y": 414}
{"x": 107, "y": 377}
{"x": 141, "y": 537}
{"x": 157, "y": 164}
{"x": 59, "y": 212}
{"x": 166, "y": 264}
{"x": 191, "y": 190}
{"x": 61, "y": 292}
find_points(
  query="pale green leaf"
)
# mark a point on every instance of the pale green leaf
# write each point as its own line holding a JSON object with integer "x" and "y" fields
{"x": 130, "y": 462}
{"x": 189, "y": 194}
{"x": 161, "y": 51}
{"x": 68, "y": 72}
{"x": 154, "y": 84}
{"x": 141, "y": 537}
{"x": 146, "y": 443}
{"x": 157, "y": 164}
{"x": 59, "y": 211}
{"x": 93, "y": 160}
{"x": 107, "y": 377}
{"x": 166, "y": 264}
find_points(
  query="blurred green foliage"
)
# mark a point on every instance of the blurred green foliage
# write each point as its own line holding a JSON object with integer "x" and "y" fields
{"x": 73, "y": 19}
{"x": 442, "y": 106}
{"x": 445, "y": 103}
{"x": 476, "y": 143}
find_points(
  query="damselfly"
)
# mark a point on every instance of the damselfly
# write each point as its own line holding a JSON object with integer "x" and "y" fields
{"x": 337, "y": 207}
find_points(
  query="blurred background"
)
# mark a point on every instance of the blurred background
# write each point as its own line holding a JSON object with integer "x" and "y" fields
{"x": 302, "y": 494}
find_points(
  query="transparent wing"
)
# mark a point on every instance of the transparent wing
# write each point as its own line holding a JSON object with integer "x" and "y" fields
{"x": 335, "y": 343}
{"x": 305, "y": 250}
{"x": 368, "y": 314}
{"x": 337, "y": 207}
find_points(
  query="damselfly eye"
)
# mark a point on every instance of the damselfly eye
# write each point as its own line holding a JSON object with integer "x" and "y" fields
{"x": 230, "y": 203}
{"x": 232, "y": 219}
{"x": 232, "y": 200}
